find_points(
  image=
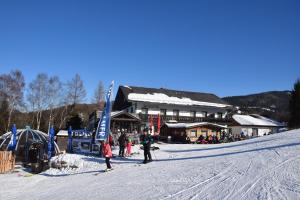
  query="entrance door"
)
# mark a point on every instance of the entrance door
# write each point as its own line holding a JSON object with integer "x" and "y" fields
{"x": 254, "y": 132}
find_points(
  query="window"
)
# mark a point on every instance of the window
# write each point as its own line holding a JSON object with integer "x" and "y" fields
{"x": 204, "y": 113}
{"x": 144, "y": 110}
{"x": 220, "y": 115}
{"x": 193, "y": 114}
{"x": 163, "y": 112}
{"x": 204, "y": 133}
{"x": 131, "y": 109}
{"x": 176, "y": 113}
{"x": 193, "y": 133}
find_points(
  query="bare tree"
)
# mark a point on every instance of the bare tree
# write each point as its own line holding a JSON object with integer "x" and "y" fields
{"x": 54, "y": 92}
{"x": 38, "y": 97}
{"x": 12, "y": 88}
{"x": 75, "y": 90}
{"x": 99, "y": 93}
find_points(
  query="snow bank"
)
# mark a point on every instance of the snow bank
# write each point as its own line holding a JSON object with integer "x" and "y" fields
{"x": 75, "y": 163}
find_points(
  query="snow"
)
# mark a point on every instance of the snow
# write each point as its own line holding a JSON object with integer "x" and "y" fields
{"x": 163, "y": 98}
{"x": 261, "y": 168}
{"x": 254, "y": 121}
{"x": 189, "y": 125}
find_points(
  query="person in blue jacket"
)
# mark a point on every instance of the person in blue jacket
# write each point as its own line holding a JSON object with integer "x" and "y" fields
{"x": 146, "y": 140}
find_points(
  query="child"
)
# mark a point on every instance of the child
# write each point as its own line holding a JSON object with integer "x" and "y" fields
{"x": 128, "y": 147}
{"x": 106, "y": 152}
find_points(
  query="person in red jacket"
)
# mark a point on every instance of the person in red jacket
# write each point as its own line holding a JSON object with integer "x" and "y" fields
{"x": 106, "y": 152}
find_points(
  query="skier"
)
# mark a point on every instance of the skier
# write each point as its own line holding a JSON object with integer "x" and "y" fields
{"x": 146, "y": 141}
{"x": 128, "y": 147}
{"x": 106, "y": 152}
{"x": 122, "y": 144}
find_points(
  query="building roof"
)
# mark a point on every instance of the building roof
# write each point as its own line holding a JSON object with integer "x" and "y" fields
{"x": 191, "y": 125}
{"x": 255, "y": 120}
{"x": 62, "y": 133}
{"x": 168, "y": 96}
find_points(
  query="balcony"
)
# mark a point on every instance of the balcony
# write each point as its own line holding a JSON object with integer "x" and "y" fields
{"x": 182, "y": 119}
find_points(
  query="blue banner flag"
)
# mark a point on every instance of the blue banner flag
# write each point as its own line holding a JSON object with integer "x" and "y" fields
{"x": 13, "y": 140}
{"x": 51, "y": 142}
{"x": 103, "y": 128}
{"x": 70, "y": 147}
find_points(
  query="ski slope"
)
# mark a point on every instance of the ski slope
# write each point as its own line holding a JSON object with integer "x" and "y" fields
{"x": 262, "y": 168}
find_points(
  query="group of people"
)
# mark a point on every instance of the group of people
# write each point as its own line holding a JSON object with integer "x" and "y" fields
{"x": 124, "y": 142}
{"x": 146, "y": 141}
{"x": 210, "y": 139}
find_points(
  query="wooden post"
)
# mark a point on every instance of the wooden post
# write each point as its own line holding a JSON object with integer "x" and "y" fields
{"x": 7, "y": 161}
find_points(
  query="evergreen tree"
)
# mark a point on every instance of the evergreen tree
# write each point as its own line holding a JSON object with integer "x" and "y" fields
{"x": 295, "y": 106}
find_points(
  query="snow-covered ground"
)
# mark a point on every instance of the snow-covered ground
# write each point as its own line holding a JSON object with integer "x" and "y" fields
{"x": 263, "y": 168}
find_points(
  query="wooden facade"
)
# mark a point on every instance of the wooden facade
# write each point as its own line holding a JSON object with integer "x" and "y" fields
{"x": 7, "y": 161}
{"x": 190, "y": 132}
{"x": 121, "y": 121}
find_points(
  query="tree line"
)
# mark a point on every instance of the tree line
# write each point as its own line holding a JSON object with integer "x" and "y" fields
{"x": 45, "y": 101}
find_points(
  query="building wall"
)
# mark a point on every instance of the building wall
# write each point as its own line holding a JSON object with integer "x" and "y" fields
{"x": 248, "y": 131}
{"x": 204, "y": 131}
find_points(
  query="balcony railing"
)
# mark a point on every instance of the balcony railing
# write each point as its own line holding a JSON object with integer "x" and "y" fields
{"x": 181, "y": 119}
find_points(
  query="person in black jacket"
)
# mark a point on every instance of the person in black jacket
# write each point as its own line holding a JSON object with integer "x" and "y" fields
{"x": 146, "y": 140}
{"x": 122, "y": 144}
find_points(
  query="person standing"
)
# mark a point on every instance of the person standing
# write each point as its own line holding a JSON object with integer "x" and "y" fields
{"x": 107, "y": 153}
{"x": 146, "y": 141}
{"x": 122, "y": 144}
{"x": 128, "y": 147}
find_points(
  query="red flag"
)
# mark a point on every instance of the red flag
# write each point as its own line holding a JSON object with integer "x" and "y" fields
{"x": 158, "y": 123}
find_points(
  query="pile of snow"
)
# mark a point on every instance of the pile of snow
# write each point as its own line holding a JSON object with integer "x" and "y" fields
{"x": 163, "y": 98}
{"x": 80, "y": 163}
{"x": 75, "y": 163}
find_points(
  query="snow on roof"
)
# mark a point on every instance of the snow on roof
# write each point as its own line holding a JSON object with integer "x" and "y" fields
{"x": 62, "y": 133}
{"x": 255, "y": 120}
{"x": 115, "y": 113}
{"x": 127, "y": 86}
{"x": 163, "y": 98}
{"x": 190, "y": 125}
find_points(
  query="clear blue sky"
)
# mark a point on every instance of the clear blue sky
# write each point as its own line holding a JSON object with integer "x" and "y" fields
{"x": 223, "y": 47}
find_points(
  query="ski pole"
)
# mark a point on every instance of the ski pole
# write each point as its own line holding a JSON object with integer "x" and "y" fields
{"x": 154, "y": 155}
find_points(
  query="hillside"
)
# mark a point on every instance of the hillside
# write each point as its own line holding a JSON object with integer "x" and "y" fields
{"x": 260, "y": 168}
{"x": 60, "y": 117}
{"x": 273, "y": 104}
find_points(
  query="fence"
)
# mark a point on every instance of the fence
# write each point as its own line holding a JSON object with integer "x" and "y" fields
{"x": 7, "y": 161}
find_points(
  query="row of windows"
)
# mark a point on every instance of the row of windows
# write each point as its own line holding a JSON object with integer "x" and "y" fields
{"x": 163, "y": 112}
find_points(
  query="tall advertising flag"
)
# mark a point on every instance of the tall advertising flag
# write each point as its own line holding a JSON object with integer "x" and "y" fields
{"x": 51, "y": 142}
{"x": 13, "y": 139}
{"x": 103, "y": 128}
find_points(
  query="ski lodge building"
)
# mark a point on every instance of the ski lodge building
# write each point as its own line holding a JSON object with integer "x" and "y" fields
{"x": 134, "y": 108}
{"x": 254, "y": 125}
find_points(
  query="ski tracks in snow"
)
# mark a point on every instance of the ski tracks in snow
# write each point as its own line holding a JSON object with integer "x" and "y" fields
{"x": 186, "y": 193}
{"x": 270, "y": 171}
